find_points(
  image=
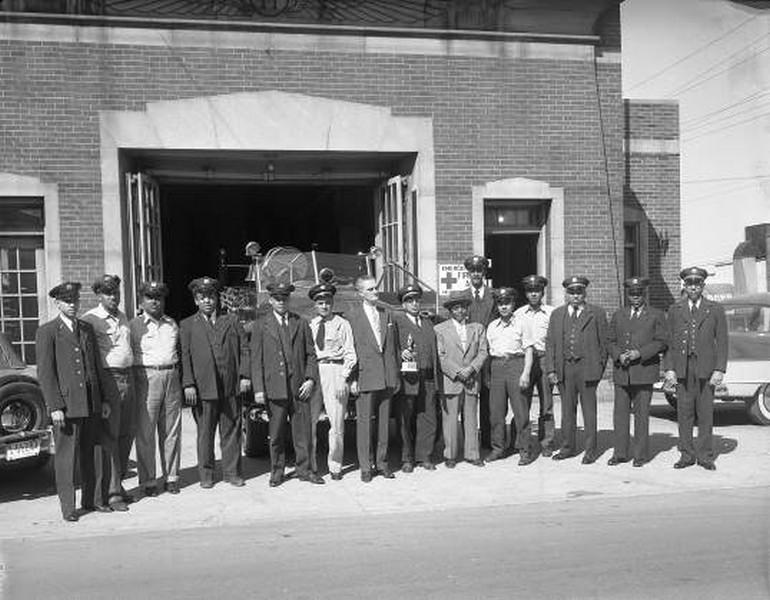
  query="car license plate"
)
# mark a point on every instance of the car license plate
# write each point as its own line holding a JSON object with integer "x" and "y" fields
{"x": 23, "y": 449}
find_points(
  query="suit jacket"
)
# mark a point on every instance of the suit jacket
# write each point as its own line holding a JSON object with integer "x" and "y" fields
{"x": 710, "y": 338}
{"x": 424, "y": 340}
{"x": 592, "y": 336}
{"x": 270, "y": 374}
{"x": 647, "y": 334}
{"x": 70, "y": 369}
{"x": 485, "y": 310}
{"x": 377, "y": 369}
{"x": 452, "y": 358}
{"x": 199, "y": 365}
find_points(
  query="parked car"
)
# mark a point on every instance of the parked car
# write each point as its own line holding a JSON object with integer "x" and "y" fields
{"x": 26, "y": 439}
{"x": 747, "y": 378}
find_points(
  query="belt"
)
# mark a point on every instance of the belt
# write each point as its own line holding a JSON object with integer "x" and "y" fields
{"x": 158, "y": 367}
{"x": 120, "y": 370}
{"x": 508, "y": 357}
{"x": 539, "y": 353}
{"x": 573, "y": 359}
{"x": 330, "y": 361}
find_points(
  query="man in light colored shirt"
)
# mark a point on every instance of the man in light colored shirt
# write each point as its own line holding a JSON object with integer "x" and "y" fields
{"x": 155, "y": 342}
{"x": 510, "y": 365}
{"x": 114, "y": 339}
{"x": 534, "y": 317}
{"x": 336, "y": 353}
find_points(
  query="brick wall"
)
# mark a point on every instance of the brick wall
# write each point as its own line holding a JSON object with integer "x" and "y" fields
{"x": 493, "y": 118}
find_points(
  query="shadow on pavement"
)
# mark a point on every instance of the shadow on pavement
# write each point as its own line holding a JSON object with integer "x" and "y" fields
{"x": 28, "y": 483}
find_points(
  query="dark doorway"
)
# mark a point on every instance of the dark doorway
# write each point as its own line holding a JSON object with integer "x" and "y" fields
{"x": 198, "y": 220}
{"x": 513, "y": 256}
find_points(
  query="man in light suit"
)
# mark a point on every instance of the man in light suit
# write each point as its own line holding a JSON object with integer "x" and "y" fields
{"x": 462, "y": 352}
{"x": 575, "y": 357}
{"x": 72, "y": 379}
{"x": 695, "y": 363}
{"x": 215, "y": 370}
{"x": 637, "y": 336}
{"x": 416, "y": 402}
{"x": 284, "y": 371}
{"x": 376, "y": 377}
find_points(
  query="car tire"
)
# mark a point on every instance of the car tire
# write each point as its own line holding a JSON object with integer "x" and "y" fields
{"x": 671, "y": 399}
{"x": 21, "y": 408}
{"x": 759, "y": 406}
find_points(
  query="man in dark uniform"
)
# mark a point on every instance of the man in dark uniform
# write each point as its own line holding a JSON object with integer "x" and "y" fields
{"x": 534, "y": 317}
{"x": 72, "y": 379}
{"x": 376, "y": 377}
{"x": 637, "y": 336}
{"x": 575, "y": 357}
{"x": 695, "y": 363}
{"x": 482, "y": 310}
{"x": 416, "y": 402}
{"x": 284, "y": 370}
{"x": 215, "y": 371}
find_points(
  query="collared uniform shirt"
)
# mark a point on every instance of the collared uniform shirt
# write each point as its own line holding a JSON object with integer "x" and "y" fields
{"x": 505, "y": 338}
{"x": 113, "y": 336}
{"x": 462, "y": 333}
{"x": 154, "y": 342}
{"x": 338, "y": 342}
{"x": 534, "y": 323}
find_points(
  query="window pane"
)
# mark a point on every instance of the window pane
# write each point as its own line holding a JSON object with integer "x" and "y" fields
{"x": 21, "y": 214}
{"x": 9, "y": 283}
{"x": 28, "y": 283}
{"x": 29, "y": 356}
{"x": 29, "y": 307}
{"x": 27, "y": 259}
{"x": 10, "y": 308}
{"x": 29, "y": 328}
{"x": 12, "y": 330}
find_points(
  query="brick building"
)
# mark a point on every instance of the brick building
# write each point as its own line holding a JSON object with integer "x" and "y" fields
{"x": 433, "y": 129}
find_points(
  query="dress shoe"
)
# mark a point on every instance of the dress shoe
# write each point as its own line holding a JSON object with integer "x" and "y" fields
{"x": 172, "y": 487}
{"x": 589, "y": 458}
{"x": 207, "y": 485}
{"x": 546, "y": 451}
{"x": 150, "y": 491}
{"x": 97, "y": 508}
{"x": 366, "y": 476}
{"x": 276, "y": 479}
{"x": 118, "y": 505}
{"x": 614, "y": 460}
{"x": 336, "y": 476}
{"x": 562, "y": 455}
{"x": 428, "y": 466}
{"x": 311, "y": 477}
{"x": 477, "y": 462}
{"x": 450, "y": 463}
{"x": 494, "y": 455}
{"x": 638, "y": 462}
{"x": 71, "y": 517}
{"x": 683, "y": 463}
{"x": 236, "y": 481}
{"x": 527, "y": 458}
{"x": 386, "y": 474}
{"x": 407, "y": 467}
{"x": 708, "y": 465}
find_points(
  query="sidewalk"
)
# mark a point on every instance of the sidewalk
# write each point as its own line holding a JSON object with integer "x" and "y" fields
{"x": 744, "y": 453}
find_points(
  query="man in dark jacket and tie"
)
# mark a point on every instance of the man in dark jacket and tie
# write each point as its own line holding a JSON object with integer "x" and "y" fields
{"x": 575, "y": 357}
{"x": 416, "y": 402}
{"x": 284, "y": 370}
{"x": 72, "y": 380}
{"x": 215, "y": 371}
{"x": 695, "y": 363}
{"x": 636, "y": 338}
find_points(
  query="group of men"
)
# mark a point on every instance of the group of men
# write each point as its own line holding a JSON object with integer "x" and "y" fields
{"x": 107, "y": 380}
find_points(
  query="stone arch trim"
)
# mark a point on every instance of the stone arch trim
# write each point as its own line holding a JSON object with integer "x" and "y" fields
{"x": 551, "y": 243}
{"x": 269, "y": 120}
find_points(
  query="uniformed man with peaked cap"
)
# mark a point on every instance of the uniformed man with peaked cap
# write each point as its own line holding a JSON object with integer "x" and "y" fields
{"x": 215, "y": 373}
{"x": 636, "y": 338}
{"x": 575, "y": 357}
{"x": 335, "y": 350}
{"x": 695, "y": 363}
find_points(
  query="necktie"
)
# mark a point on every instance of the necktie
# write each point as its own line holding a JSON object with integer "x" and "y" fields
{"x": 320, "y": 334}
{"x": 478, "y": 295}
{"x": 575, "y": 314}
{"x": 284, "y": 333}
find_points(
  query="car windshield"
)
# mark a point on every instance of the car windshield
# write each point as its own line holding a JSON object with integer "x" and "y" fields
{"x": 749, "y": 329}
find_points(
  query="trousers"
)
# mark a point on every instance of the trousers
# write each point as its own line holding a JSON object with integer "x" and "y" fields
{"x": 575, "y": 388}
{"x": 452, "y": 405}
{"x": 226, "y": 413}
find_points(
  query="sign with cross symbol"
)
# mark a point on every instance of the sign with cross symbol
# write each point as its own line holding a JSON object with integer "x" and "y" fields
{"x": 451, "y": 277}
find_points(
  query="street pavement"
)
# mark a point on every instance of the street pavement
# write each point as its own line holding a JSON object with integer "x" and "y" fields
{"x": 29, "y": 508}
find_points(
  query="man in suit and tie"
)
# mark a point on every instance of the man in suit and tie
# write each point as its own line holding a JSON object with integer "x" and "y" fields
{"x": 376, "y": 378}
{"x": 416, "y": 402}
{"x": 215, "y": 371}
{"x": 575, "y": 357}
{"x": 284, "y": 371}
{"x": 636, "y": 338}
{"x": 462, "y": 352}
{"x": 72, "y": 379}
{"x": 695, "y": 363}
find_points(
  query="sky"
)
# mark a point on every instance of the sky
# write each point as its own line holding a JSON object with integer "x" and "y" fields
{"x": 713, "y": 56}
